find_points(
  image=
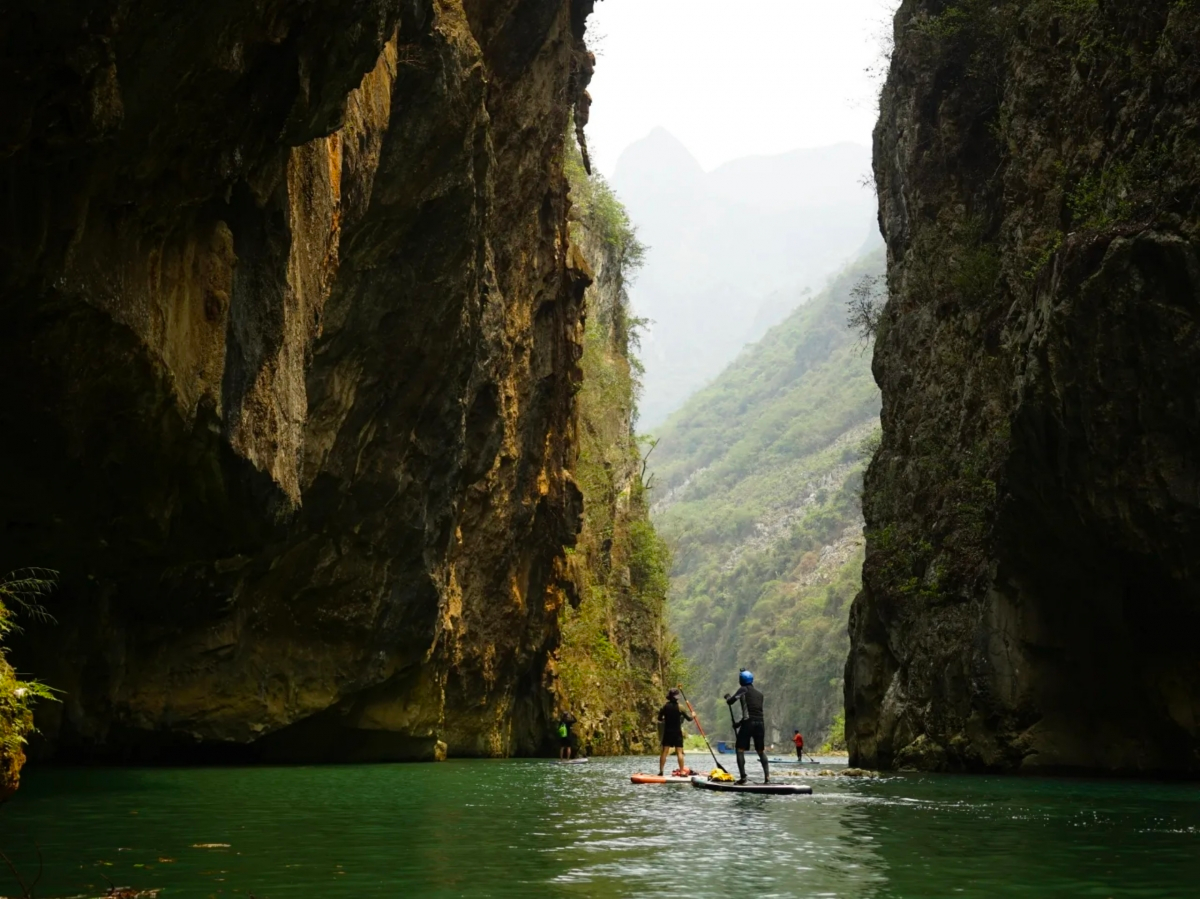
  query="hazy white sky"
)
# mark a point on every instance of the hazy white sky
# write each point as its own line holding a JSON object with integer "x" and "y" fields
{"x": 732, "y": 78}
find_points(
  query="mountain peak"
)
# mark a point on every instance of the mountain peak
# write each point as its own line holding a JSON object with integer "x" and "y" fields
{"x": 657, "y": 153}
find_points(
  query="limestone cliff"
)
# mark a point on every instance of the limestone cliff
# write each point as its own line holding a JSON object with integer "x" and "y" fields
{"x": 291, "y": 333}
{"x": 617, "y": 657}
{"x": 1031, "y": 590}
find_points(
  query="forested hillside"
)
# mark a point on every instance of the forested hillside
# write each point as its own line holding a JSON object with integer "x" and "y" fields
{"x": 757, "y": 484}
{"x": 731, "y": 248}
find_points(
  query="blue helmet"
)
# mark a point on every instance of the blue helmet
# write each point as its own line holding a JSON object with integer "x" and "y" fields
{"x": 745, "y": 678}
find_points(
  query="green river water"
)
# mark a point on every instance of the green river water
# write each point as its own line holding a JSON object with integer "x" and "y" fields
{"x": 537, "y": 828}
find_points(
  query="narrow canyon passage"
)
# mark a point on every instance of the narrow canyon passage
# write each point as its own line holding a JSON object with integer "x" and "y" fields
{"x": 414, "y": 406}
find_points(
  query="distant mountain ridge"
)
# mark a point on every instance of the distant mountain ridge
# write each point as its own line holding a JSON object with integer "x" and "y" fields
{"x": 732, "y": 250}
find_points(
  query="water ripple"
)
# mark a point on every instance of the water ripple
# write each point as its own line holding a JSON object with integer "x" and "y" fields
{"x": 535, "y": 828}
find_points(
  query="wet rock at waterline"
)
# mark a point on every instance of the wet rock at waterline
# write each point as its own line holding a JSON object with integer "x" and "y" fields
{"x": 292, "y": 325}
{"x": 1031, "y": 592}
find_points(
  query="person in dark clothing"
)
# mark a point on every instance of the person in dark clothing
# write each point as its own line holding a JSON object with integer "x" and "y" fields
{"x": 672, "y": 718}
{"x": 565, "y": 720}
{"x": 753, "y": 725}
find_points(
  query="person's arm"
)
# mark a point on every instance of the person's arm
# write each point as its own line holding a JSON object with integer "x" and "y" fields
{"x": 731, "y": 699}
{"x": 683, "y": 713}
{"x": 662, "y": 714}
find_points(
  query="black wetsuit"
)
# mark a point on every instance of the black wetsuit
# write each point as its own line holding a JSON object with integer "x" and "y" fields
{"x": 753, "y": 726}
{"x": 672, "y": 717}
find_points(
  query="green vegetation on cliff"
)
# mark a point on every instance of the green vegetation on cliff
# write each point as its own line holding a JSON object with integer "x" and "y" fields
{"x": 20, "y": 590}
{"x": 757, "y": 485}
{"x": 617, "y": 656}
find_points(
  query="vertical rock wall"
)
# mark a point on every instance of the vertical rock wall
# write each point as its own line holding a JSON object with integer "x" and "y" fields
{"x": 1031, "y": 589}
{"x": 291, "y": 328}
{"x": 617, "y": 658}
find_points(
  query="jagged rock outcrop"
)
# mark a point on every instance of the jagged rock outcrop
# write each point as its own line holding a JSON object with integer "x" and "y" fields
{"x": 291, "y": 333}
{"x": 1031, "y": 589}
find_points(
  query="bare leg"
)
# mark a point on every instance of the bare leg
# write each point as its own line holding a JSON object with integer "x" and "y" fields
{"x": 679, "y": 756}
{"x": 662, "y": 760}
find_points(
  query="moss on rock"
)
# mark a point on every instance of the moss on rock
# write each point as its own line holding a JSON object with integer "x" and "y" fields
{"x": 617, "y": 656}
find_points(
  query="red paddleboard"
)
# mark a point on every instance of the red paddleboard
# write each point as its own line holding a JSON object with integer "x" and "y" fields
{"x": 658, "y": 779}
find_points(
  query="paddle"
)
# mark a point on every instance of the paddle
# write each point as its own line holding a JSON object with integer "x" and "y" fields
{"x": 696, "y": 718}
{"x": 810, "y": 758}
{"x": 733, "y": 721}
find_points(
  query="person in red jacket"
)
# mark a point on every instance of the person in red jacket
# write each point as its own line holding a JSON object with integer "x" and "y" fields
{"x": 798, "y": 739}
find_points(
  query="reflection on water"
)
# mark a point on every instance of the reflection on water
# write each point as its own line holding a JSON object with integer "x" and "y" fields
{"x": 535, "y": 828}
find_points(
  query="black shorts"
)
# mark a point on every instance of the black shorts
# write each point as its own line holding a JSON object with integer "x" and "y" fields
{"x": 565, "y": 742}
{"x": 752, "y": 727}
{"x": 672, "y": 738}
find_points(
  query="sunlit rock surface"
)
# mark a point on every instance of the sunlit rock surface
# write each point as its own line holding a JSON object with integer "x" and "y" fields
{"x": 291, "y": 327}
{"x": 1031, "y": 593}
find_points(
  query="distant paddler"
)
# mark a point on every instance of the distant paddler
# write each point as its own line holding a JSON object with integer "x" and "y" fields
{"x": 753, "y": 725}
{"x": 671, "y": 716}
{"x": 565, "y": 747}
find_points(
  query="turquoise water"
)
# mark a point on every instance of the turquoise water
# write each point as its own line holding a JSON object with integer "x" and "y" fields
{"x": 536, "y": 828}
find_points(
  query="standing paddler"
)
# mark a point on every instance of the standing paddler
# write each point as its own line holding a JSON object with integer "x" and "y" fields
{"x": 565, "y": 742}
{"x": 752, "y": 726}
{"x": 672, "y": 717}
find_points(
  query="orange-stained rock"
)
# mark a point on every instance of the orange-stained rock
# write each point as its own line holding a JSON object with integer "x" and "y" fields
{"x": 290, "y": 298}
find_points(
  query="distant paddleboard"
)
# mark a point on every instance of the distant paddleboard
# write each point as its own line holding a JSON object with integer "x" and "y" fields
{"x": 770, "y": 789}
{"x": 573, "y": 761}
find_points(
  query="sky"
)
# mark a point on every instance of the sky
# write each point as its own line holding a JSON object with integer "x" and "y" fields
{"x": 733, "y": 78}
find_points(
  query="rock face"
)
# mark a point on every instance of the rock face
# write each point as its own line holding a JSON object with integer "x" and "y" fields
{"x": 291, "y": 324}
{"x": 617, "y": 657}
{"x": 1031, "y": 588}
